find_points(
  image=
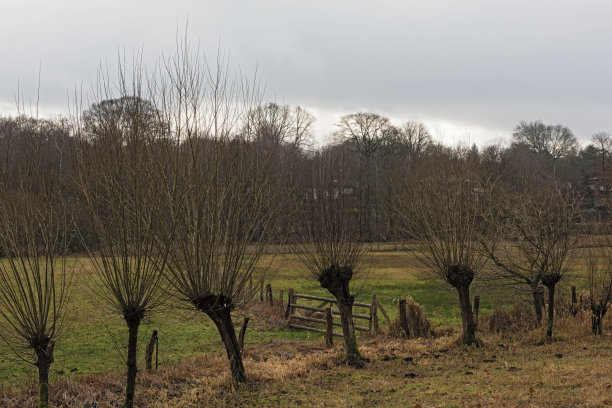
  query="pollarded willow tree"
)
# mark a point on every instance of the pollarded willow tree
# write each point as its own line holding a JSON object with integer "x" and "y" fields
{"x": 222, "y": 204}
{"x": 327, "y": 239}
{"x": 34, "y": 277}
{"x": 532, "y": 241}
{"x": 440, "y": 209}
{"x": 599, "y": 278}
{"x": 121, "y": 148}
{"x": 531, "y": 238}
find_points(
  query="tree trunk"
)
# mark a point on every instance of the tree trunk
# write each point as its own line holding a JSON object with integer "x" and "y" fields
{"x": 467, "y": 317}
{"x": 43, "y": 362}
{"x": 132, "y": 367}
{"x": 345, "y": 306}
{"x": 537, "y": 304}
{"x": 336, "y": 280}
{"x": 551, "y": 311}
{"x": 223, "y": 320}
{"x": 597, "y": 320}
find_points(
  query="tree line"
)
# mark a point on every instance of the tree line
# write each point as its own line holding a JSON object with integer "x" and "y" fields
{"x": 376, "y": 156}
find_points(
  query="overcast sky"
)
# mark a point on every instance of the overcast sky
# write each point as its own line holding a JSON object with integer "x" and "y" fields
{"x": 471, "y": 70}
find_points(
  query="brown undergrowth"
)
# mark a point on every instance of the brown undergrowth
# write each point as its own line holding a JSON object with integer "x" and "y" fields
{"x": 512, "y": 370}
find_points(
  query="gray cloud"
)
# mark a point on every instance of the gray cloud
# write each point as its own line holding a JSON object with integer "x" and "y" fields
{"x": 479, "y": 67}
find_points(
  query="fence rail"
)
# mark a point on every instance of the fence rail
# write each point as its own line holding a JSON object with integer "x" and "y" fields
{"x": 300, "y": 320}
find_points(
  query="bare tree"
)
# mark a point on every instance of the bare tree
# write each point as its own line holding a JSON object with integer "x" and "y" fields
{"x": 224, "y": 183}
{"x": 327, "y": 240}
{"x": 554, "y": 141}
{"x": 599, "y": 268}
{"x": 413, "y": 139}
{"x": 119, "y": 179}
{"x": 34, "y": 278}
{"x": 367, "y": 131}
{"x": 370, "y": 135}
{"x": 280, "y": 124}
{"x": 440, "y": 210}
{"x": 603, "y": 144}
{"x": 531, "y": 241}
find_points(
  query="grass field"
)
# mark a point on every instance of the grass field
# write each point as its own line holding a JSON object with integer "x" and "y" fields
{"x": 505, "y": 371}
{"x": 94, "y": 341}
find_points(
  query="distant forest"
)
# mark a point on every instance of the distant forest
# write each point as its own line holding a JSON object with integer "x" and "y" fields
{"x": 370, "y": 159}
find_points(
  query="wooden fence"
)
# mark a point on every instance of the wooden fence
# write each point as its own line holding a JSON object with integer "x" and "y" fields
{"x": 308, "y": 317}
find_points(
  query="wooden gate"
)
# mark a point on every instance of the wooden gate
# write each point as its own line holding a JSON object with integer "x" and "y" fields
{"x": 318, "y": 317}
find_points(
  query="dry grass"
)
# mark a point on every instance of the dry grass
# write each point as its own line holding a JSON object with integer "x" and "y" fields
{"x": 268, "y": 317}
{"x": 513, "y": 371}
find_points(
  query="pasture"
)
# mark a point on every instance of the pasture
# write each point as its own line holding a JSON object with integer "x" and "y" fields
{"x": 91, "y": 347}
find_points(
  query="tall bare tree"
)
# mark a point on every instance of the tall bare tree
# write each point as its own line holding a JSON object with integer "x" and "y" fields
{"x": 603, "y": 144}
{"x": 223, "y": 208}
{"x": 554, "y": 141}
{"x": 370, "y": 135}
{"x": 328, "y": 242}
{"x": 413, "y": 139}
{"x": 119, "y": 149}
{"x": 280, "y": 124}
{"x": 440, "y": 210}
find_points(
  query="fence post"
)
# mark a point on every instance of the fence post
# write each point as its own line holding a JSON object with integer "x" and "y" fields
{"x": 290, "y": 301}
{"x": 149, "y": 351}
{"x": 574, "y": 302}
{"x": 476, "y": 307}
{"x": 374, "y": 314}
{"x": 269, "y": 294}
{"x": 242, "y": 332}
{"x": 280, "y": 297}
{"x": 261, "y": 291}
{"x": 382, "y": 310}
{"x": 403, "y": 318}
{"x": 329, "y": 328}
{"x": 156, "y": 352}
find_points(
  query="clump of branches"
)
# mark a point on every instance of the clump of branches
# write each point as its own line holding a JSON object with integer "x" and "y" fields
{"x": 34, "y": 277}
{"x": 327, "y": 239}
{"x": 440, "y": 209}
{"x": 120, "y": 144}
